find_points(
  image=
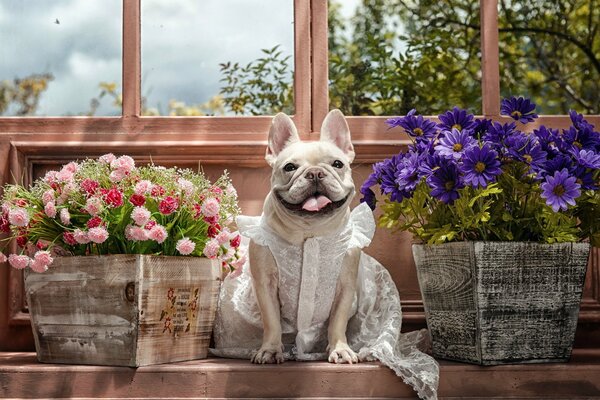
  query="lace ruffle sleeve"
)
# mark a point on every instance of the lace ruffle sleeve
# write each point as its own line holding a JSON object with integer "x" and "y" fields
{"x": 363, "y": 226}
{"x": 251, "y": 228}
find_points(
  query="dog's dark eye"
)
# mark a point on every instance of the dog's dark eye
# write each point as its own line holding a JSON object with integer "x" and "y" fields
{"x": 289, "y": 167}
{"x": 337, "y": 164}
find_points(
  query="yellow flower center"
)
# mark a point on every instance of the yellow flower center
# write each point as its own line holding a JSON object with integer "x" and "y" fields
{"x": 516, "y": 114}
{"x": 559, "y": 190}
{"x": 457, "y": 147}
{"x": 457, "y": 126}
{"x": 418, "y": 131}
{"x": 528, "y": 158}
{"x": 579, "y": 145}
{"x": 479, "y": 167}
{"x": 449, "y": 185}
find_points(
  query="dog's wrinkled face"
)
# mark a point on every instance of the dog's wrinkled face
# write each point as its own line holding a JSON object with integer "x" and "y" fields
{"x": 311, "y": 179}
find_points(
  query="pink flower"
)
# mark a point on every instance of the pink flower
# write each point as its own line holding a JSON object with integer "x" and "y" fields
{"x": 50, "y": 209}
{"x": 3, "y": 258}
{"x": 50, "y": 177}
{"x": 80, "y": 236}
{"x": 48, "y": 196}
{"x": 136, "y": 233}
{"x": 69, "y": 238}
{"x": 107, "y": 158}
{"x": 185, "y": 246}
{"x": 211, "y": 250}
{"x": 89, "y": 186}
{"x": 213, "y": 230}
{"x": 117, "y": 175}
{"x": 18, "y": 217}
{"x": 240, "y": 262}
{"x": 94, "y": 222}
{"x": 230, "y": 190}
{"x": 4, "y": 224}
{"x": 38, "y": 267}
{"x": 137, "y": 199}
{"x": 223, "y": 236}
{"x": 158, "y": 233}
{"x": 114, "y": 197}
{"x": 64, "y": 175}
{"x": 216, "y": 190}
{"x": 18, "y": 262}
{"x": 168, "y": 205}
{"x": 93, "y": 206}
{"x": 150, "y": 225}
{"x": 140, "y": 215}
{"x": 235, "y": 242}
{"x": 186, "y": 186}
{"x": 98, "y": 234}
{"x": 71, "y": 167}
{"x": 210, "y": 207}
{"x": 143, "y": 187}
{"x": 125, "y": 164}
{"x": 43, "y": 257}
{"x": 157, "y": 191}
{"x": 65, "y": 216}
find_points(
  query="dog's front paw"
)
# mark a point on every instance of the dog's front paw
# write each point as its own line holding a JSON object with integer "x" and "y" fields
{"x": 341, "y": 353}
{"x": 268, "y": 354}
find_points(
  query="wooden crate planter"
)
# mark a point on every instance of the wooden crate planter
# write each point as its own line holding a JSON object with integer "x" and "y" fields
{"x": 128, "y": 310}
{"x": 502, "y": 302}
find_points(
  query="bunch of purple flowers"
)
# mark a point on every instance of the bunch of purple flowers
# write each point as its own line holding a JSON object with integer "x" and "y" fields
{"x": 465, "y": 178}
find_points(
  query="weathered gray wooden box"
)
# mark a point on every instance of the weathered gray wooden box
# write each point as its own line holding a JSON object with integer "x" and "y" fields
{"x": 502, "y": 302}
{"x": 127, "y": 310}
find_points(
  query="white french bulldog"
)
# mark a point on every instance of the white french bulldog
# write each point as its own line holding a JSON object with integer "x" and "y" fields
{"x": 311, "y": 190}
{"x": 308, "y": 292}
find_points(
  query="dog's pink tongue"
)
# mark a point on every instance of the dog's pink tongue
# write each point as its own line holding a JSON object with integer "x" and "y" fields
{"x": 315, "y": 203}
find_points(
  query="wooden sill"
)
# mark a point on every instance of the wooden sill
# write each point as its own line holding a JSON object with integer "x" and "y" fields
{"x": 21, "y": 376}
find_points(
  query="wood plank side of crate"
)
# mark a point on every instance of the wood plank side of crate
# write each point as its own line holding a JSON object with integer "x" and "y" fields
{"x": 177, "y": 299}
{"x": 80, "y": 311}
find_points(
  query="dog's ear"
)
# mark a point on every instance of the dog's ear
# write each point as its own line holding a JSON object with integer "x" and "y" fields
{"x": 282, "y": 132}
{"x": 335, "y": 129}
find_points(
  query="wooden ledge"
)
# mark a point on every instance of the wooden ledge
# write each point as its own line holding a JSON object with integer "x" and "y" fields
{"x": 21, "y": 376}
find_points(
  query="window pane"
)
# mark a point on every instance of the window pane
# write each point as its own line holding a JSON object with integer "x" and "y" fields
{"x": 60, "y": 57}
{"x": 389, "y": 56}
{"x": 217, "y": 57}
{"x": 550, "y": 52}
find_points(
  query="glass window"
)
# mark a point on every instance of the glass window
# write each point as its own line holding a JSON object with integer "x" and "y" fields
{"x": 60, "y": 57}
{"x": 550, "y": 52}
{"x": 217, "y": 57}
{"x": 389, "y": 56}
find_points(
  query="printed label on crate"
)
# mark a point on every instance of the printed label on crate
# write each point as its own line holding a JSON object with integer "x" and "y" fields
{"x": 180, "y": 311}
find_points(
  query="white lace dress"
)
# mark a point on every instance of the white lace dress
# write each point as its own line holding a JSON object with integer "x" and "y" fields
{"x": 307, "y": 280}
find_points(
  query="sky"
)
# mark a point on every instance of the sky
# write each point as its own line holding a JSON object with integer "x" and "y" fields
{"x": 183, "y": 41}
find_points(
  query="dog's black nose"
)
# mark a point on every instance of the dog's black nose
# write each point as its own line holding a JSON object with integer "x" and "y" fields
{"x": 314, "y": 174}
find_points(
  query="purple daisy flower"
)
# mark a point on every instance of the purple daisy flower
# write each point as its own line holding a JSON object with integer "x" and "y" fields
{"x": 368, "y": 197}
{"x": 585, "y": 178}
{"x": 587, "y": 158}
{"x": 579, "y": 122}
{"x": 389, "y": 173}
{"x": 560, "y": 190}
{"x": 456, "y": 119}
{"x": 415, "y": 125}
{"x": 497, "y": 133}
{"x": 584, "y": 138}
{"x": 526, "y": 148}
{"x": 445, "y": 182}
{"x": 480, "y": 166}
{"x": 481, "y": 127}
{"x": 558, "y": 163}
{"x": 453, "y": 144}
{"x": 408, "y": 174}
{"x": 548, "y": 139}
{"x": 519, "y": 108}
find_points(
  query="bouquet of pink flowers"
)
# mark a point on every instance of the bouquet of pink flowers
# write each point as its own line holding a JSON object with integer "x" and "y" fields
{"x": 110, "y": 206}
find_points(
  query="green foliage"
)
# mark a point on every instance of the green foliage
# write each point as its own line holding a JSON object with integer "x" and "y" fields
{"x": 263, "y": 86}
{"x": 508, "y": 210}
{"x": 23, "y": 93}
